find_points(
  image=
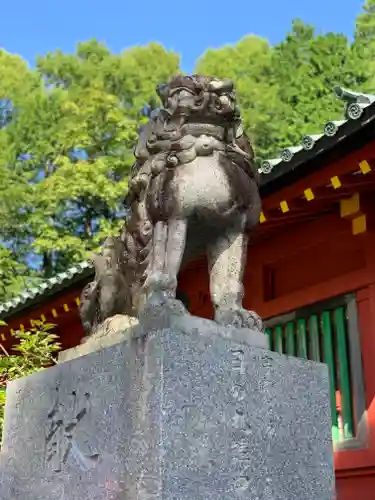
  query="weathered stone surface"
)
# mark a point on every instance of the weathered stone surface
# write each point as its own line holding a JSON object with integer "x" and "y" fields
{"x": 114, "y": 330}
{"x": 170, "y": 416}
{"x": 158, "y": 315}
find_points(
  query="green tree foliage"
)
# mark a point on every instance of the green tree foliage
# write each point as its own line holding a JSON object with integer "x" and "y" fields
{"x": 16, "y": 82}
{"x": 364, "y": 42}
{"x": 70, "y": 135}
{"x": 14, "y": 275}
{"x": 68, "y": 127}
{"x": 286, "y": 91}
{"x": 365, "y": 26}
{"x": 249, "y": 63}
{"x": 36, "y": 350}
{"x": 307, "y": 68}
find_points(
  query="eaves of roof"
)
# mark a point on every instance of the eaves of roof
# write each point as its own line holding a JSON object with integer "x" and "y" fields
{"x": 314, "y": 151}
{"x": 47, "y": 288}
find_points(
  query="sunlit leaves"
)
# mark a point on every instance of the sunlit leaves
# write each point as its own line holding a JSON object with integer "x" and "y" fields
{"x": 69, "y": 147}
{"x": 249, "y": 64}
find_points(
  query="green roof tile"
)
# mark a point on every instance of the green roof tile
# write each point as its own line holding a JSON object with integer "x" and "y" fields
{"x": 355, "y": 105}
{"x": 62, "y": 279}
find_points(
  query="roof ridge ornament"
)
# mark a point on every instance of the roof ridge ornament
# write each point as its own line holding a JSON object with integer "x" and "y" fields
{"x": 348, "y": 95}
{"x": 356, "y": 102}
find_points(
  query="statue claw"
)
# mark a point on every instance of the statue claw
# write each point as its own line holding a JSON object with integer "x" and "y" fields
{"x": 239, "y": 318}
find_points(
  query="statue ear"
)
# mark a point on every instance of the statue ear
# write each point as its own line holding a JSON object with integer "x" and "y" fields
{"x": 162, "y": 91}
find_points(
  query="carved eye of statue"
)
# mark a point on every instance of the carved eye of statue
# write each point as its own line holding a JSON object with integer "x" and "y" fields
{"x": 172, "y": 160}
{"x": 182, "y": 92}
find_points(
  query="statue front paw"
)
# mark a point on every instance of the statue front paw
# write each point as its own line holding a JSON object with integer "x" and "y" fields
{"x": 239, "y": 318}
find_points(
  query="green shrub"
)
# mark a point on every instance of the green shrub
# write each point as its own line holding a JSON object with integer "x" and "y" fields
{"x": 36, "y": 350}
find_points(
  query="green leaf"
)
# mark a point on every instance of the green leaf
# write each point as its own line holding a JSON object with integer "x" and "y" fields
{"x": 36, "y": 350}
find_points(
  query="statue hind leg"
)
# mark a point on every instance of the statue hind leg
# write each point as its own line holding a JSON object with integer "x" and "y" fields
{"x": 227, "y": 261}
{"x": 168, "y": 245}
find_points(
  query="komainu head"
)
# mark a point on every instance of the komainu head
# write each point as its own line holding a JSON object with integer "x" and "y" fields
{"x": 191, "y": 96}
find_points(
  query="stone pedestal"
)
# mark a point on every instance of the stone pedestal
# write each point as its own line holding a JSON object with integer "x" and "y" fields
{"x": 170, "y": 416}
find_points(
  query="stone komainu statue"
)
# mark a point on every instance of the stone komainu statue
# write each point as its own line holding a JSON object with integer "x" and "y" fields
{"x": 192, "y": 190}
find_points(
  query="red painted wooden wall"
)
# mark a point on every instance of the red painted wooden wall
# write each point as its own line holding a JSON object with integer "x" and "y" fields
{"x": 311, "y": 262}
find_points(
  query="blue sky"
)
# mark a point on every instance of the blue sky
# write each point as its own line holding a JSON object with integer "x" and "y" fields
{"x": 33, "y": 27}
